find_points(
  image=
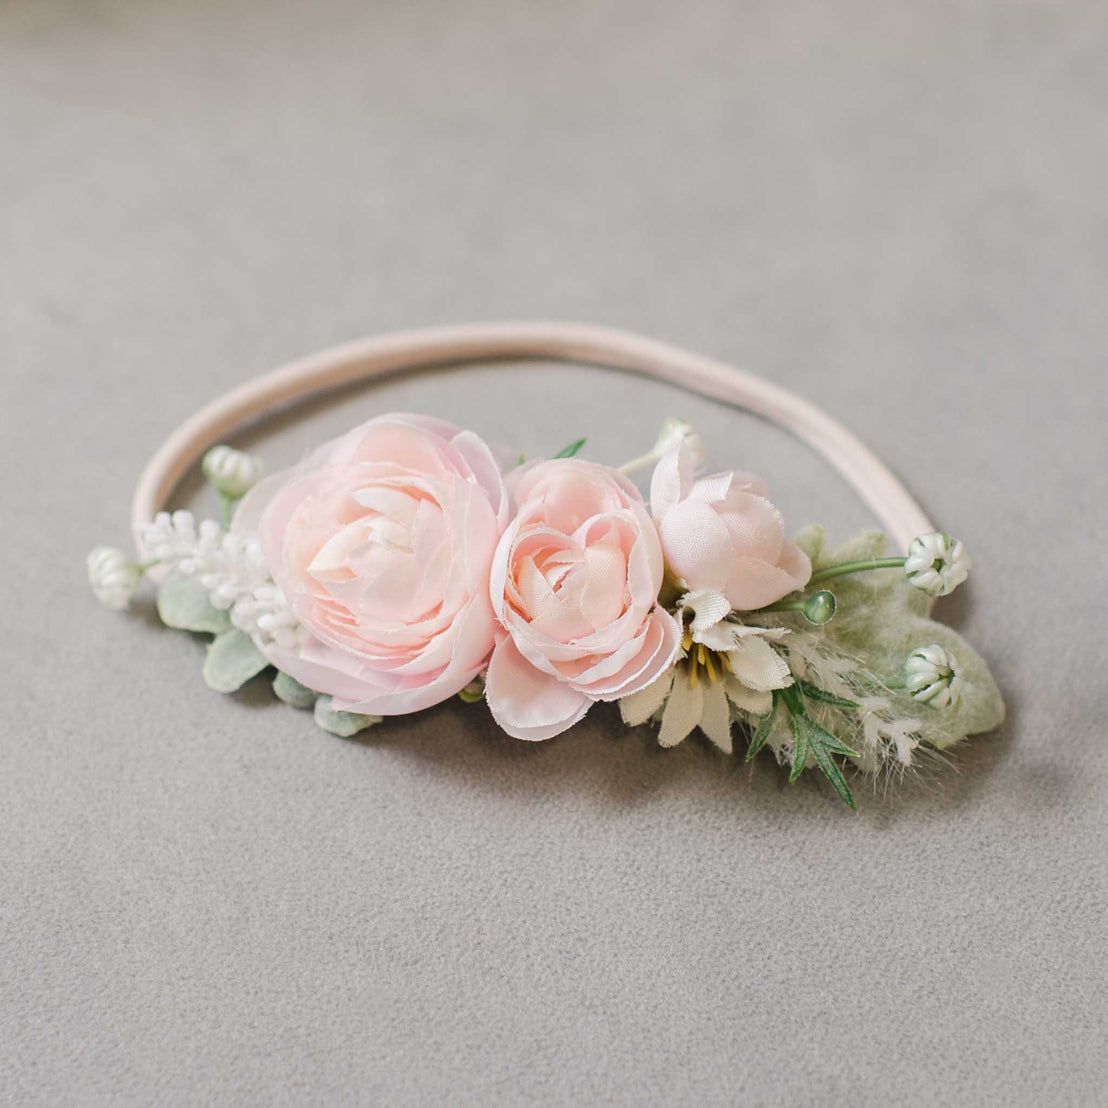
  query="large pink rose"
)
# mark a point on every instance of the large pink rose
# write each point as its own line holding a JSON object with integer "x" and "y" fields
{"x": 721, "y": 532}
{"x": 574, "y": 584}
{"x": 381, "y": 542}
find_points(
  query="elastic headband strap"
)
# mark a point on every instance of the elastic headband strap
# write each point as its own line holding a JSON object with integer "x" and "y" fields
{"x": 569, "y": 342}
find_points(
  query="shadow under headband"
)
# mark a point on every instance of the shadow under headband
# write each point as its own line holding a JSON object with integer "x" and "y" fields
{"x": 404, "y": 563}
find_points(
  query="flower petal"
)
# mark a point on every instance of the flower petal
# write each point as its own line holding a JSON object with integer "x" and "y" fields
{"x": 683, "y": 709}
{"x": 756, "y": 702}
{"x": 715, "y": 718}
{"x": 758, "y": 666}
{"x": 638, "y": 707}
{"x": 527, "y": 703}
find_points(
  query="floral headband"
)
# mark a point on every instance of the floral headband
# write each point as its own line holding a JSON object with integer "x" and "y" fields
{"x": 405, "y": 563}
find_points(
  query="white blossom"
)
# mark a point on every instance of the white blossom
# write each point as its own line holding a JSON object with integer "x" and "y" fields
{"x": 114, "y": 576}
{"x": 937, "y": 563}
{"x": 232, "y": 472}
{"x": 931, "y": 675}
{"x": 725, "y": 663}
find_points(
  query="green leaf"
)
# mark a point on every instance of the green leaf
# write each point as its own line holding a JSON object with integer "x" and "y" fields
{"x": 762, "y": 731}
{"x": 183, "y": 603}
{"x": 343, "y": 724}
{"x": 814, "y": 692}
{"x": 232, "y": 660}
{"x": 292, "y": 692}
{"x": 800, "y": 754}
{"x": 821, "y": 745}
{"x": 569, "y": 451}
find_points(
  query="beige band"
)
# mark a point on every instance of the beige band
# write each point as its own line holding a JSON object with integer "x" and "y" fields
{"x": 569, "y": 342}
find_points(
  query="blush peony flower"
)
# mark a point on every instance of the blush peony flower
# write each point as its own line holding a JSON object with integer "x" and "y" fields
{"x": 721, "y": 532}
{"x": 574, "y": 584}
{"x": 381, "y": 543}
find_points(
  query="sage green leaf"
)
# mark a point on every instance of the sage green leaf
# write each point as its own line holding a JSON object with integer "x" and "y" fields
{"x": 183, "y": 603}
{"x": 292, "y": 692}
{"x": 343, "y": 724}
{"x": 571, "y": 449}
{"x": 762, "y": 731}
{"x": 232, "y": 660}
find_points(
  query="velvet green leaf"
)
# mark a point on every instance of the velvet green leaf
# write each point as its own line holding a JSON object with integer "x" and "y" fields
{"x": 232, "y": 660}
{"x": 292, "y": 692}
{"x": 343, "y": 724}
{"x": 183, "y": 603}
{"x": 881, "y": 619}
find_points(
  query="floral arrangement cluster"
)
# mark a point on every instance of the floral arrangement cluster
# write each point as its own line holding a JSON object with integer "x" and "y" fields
{"x": 403, "y": 564}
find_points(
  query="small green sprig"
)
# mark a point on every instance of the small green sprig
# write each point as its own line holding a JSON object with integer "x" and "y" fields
{"x": 570, "y": 450}
{"x": 811, "y": 740}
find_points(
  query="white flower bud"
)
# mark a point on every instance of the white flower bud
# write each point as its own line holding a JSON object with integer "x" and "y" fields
{"x": 931, "y": 675}
{"x": 937, "y": 564}
{"x": 232, "y": 472}
{"x": 674, "y": 431}
{"x": 113, "y": 576}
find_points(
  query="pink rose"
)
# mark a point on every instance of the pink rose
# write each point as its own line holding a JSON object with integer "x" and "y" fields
{"x": 721, "y": 532}
{"x": 381, "y": 542}
{"x": 574, "y": 585}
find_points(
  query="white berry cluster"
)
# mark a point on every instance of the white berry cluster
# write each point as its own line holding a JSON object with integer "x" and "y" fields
{"x": 231, "y": 567}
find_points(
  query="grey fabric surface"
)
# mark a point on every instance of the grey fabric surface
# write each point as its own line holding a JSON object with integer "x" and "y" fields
{"x": 896, "y": 209}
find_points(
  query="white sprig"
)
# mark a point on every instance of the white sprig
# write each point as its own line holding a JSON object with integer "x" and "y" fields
{"x": 171, "y": 537}
{"x": 114, "y": 577}
{"x": 230, "y": 568}
{"x": 937, "y": 563}
{"x": 265, "y": 614}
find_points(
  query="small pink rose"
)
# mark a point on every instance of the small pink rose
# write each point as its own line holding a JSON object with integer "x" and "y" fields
{"x": 574, "y": 583}
{"x": 381, "y": 542}
{"x": 721, "y": 532}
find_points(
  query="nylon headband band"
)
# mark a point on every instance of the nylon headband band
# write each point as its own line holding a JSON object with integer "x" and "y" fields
{"x": 605, "y": 347}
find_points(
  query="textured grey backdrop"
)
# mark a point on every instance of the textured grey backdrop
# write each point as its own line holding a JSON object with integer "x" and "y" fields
{"x": 897, "y": 209}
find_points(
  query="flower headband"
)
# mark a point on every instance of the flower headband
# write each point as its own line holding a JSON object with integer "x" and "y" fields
{"x": 405, "y": 563}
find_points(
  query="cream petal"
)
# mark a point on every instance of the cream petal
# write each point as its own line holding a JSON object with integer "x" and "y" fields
{"x": 708, "y": 606}
{"x": 682, "y": 711}
{"x": 757, "y": 703}
{"x": 640, "y": 706}
{"x": 757, "y": 665}
{"x": 715, "y": 717}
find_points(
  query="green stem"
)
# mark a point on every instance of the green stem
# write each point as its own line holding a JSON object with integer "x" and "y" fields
{"x": 828, "y": 572}
{"x": 797, "y": 605}
{"x": 227, "y": 507}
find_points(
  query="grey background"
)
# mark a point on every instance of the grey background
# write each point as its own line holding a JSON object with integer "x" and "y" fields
{"x": 897, "y": 209}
